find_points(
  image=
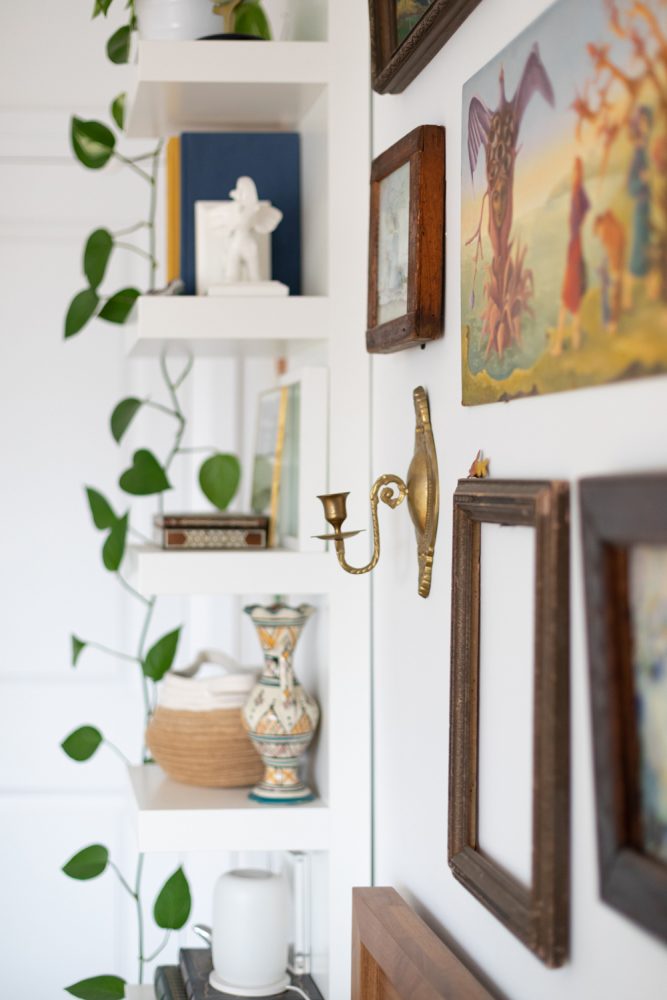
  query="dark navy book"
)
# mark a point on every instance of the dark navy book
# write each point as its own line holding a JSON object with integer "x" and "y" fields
{"x": 196, "y": 967}
{"x": 212, "y": 162}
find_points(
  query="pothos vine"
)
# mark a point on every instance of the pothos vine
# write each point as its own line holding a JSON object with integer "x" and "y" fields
{"x": 94, "y": 145}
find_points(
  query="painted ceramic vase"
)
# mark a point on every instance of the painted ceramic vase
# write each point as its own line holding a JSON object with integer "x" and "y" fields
{"x": 279, "y": 715}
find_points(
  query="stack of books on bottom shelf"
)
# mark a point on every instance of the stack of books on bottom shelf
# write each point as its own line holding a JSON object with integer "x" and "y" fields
{"x": 189, "y": 980}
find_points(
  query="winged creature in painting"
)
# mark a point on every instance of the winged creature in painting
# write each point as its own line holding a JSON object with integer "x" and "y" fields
{"x": 509, "y": 285}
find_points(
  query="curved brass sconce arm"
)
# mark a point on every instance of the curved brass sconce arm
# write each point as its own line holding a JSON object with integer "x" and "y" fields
{"x": 421, "y": 491}
{"x": 335, "y": 511}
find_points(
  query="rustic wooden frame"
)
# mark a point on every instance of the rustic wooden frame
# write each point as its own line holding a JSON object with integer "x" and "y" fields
{"x": 537, "y": 914}
{"x": 395, "y": 66}
{"x": 617, "y": 513}
{"x": 395, "y": 956}
{"x": 424, "y": 150}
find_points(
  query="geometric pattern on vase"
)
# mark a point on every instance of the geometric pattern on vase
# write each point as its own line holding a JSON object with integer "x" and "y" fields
{"x": 279, "y": 715}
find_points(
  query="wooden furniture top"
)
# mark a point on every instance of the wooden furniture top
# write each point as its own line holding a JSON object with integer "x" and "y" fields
{"x": 395, "y": 956}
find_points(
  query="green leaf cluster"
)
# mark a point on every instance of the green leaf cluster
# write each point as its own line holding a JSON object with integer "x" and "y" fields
{"x": 118, "y": 46}
{"x": 171, "y": 911}
{"x": 94, "y": 144}
{"x": 116, "y": 527}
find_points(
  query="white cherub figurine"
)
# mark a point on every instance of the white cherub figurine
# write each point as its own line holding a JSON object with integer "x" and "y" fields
{"x": 244, "y": 219}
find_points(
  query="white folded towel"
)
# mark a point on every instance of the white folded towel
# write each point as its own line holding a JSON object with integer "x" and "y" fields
{"x": 184, "y": 692}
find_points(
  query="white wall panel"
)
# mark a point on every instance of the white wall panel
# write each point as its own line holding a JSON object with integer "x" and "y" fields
{"x": 617, "y": 428}
{"x": 56, "y": 931}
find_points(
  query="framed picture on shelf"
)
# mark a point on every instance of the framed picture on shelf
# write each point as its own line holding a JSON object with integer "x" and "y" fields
{"x": 532, "y": 903}
{"x": 406, "y": 35}
{"x": 624, "y": 527}
{"x": 406, "y": 243}
{"x": 290, "y": 458}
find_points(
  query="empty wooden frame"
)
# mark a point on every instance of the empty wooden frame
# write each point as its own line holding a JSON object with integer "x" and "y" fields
{"x": 395, "y": 956}
{"x": 538, "y": 913}
{"x": 622, "y": 517}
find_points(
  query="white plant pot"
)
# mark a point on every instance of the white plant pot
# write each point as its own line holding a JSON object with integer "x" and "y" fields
{"x": 165, "y": 20}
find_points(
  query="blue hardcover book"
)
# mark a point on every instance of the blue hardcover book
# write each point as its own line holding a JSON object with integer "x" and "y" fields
{"x": 211, "y": 163}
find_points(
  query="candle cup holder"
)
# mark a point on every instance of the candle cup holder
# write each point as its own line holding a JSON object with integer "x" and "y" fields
{"x": 421, "y": 490}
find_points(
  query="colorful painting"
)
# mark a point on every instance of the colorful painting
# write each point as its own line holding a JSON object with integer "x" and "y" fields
{"x": 393, "y": 245}
{"x": 648, "y": 612}
{"x": 564, "y": 204}
{"x": 408, "y": 14}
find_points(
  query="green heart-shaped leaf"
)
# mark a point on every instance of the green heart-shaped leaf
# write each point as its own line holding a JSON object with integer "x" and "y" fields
{"x": 173, "y": 904}
{"x": 114, "y": 547}
{"x": 250, "y": 19}
{"x": 88, "y": 863}
{"x": 161, "y": 656}
{"x": 82, "y": 743}
{"x": 145, "y": 476}
{"x": 118, "y": 110}
{"x": 78, "y": 646}
{"x": 96, "y": 256}
{"x": 81, "y": 309}
{"x": 100, "y": 509}
{"x": 119, "y": 306}
{"x": 219, "y": 478}
{"x": 123, "y": 414}
{"x": 93, "y": 143}
{"x": 118, "y": 46}
{"x": 101, "y": 7}
{"x": 98, "y": 988}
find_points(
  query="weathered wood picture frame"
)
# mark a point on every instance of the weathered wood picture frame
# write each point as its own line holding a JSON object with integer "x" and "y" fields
{"x": 395, "y": 64}
{"x": 420, "y": 318}
{"x": 618, "y": 513}
{"x": 395, "y": 956}
{"x": 538, "y": 914}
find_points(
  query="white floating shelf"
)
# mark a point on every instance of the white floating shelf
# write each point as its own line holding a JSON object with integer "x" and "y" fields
{"x": 208, "y": 325}
{"x": 175, "y": 817}
{"x": 270, "y": 571}
{"x": 185, "y": 86}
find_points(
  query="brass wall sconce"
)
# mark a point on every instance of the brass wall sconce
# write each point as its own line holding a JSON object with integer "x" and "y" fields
{"x": 421, "y": 490}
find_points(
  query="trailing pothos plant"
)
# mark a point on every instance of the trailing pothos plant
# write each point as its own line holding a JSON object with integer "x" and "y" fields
{"x": 94, "y": 144}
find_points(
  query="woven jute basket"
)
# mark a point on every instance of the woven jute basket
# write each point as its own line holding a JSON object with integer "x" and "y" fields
{"x": 204, "y": 748}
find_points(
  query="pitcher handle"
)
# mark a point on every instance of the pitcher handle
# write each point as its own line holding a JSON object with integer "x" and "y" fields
{"x": 204, "y": 932}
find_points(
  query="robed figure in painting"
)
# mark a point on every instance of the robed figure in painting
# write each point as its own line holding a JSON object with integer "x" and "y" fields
{"x": 639, "y": 189}
{"x": 575, "y": 281}
{"x": 509, "y": 284}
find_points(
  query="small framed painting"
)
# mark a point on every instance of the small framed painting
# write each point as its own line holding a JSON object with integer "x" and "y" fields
{"x": 624, "y": 525}
{"x": 406, "y": 251}
{"x": 526, "y": 889}
{"x": 406, "y": 34}
{"x": 289, "y": 463}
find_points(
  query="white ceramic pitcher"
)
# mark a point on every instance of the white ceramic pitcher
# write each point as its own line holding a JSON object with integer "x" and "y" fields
{"x": 250, "y": 933}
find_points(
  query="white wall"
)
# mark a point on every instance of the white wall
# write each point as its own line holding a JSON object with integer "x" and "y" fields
{"x": 55, "y": 403}
{"x": 616, "y": 428}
